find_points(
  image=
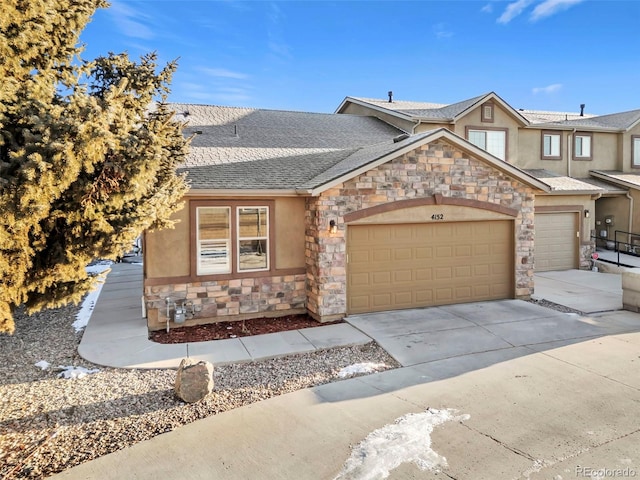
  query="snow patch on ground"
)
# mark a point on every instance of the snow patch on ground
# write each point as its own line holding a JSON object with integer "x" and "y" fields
{"x": 43, "y": 364}
{"x": 89, "y": 303}
{"x": 357, "y": 368}
{"x": 75, "y": 372}
{"x": 408, "y": 439}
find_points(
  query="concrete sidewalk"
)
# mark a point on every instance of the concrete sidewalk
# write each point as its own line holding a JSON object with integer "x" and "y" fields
{"x": 117, "y": 335}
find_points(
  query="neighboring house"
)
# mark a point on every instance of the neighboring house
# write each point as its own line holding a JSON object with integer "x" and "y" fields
{"x": 590, "y": 162}
{"x": 335, "y": 214}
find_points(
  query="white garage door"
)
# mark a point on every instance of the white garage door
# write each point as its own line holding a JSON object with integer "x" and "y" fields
{"x": 556, "y": 241}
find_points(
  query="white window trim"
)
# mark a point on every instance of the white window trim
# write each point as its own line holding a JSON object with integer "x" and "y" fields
{"x": 201, "y": 270}
{"x": 239, "y": 239}
{"x": 582, "y": 156}
{"x": 635, "y": 151}
{"x": 503, "y": 154}
{"x": 551, "y": 154}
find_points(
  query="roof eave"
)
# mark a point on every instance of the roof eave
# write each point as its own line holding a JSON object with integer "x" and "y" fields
{"x": 573, "y": 192}
{"x": 387, "y": 111}
{"x": 237, "y": 192}
{"x": 613, "y": 180}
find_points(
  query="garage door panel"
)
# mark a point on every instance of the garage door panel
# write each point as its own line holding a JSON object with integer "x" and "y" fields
{"x": 556, "y": 243}
{"x": 433, "y": 264}
{"x": 358, "y": 279}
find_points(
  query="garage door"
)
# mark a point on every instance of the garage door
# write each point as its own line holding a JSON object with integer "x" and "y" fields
{"x": 393, "y": 267}
{"x": 556, "y": 243}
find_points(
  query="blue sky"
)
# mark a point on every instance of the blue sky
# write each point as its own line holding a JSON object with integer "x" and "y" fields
{"x": 309, "y": 55}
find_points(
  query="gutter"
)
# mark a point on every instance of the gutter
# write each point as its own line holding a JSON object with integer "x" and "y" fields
{"x": 210, "y": 192}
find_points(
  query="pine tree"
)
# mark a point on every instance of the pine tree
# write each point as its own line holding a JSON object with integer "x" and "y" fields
{"x": 88, "y": 152}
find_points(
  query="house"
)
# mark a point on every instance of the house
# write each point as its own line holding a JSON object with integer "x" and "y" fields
{"x": 386, "y": 205}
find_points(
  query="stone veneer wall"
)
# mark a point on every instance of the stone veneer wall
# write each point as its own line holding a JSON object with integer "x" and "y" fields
{"x": 229, "y": 299}
{"x": 436, "y": 168}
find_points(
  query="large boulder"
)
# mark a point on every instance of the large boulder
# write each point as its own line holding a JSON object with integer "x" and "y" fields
{"x": 194, "y": 380}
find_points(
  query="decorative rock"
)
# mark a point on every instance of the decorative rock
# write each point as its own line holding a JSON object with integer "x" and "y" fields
{"x": 194, "y": 380}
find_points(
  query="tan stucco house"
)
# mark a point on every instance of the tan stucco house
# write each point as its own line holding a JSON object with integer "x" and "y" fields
{"x": 382, "y": 205}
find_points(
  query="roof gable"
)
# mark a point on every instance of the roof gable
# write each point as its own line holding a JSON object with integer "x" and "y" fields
{"x": 432, "y": 112}
{"x": 367, "y": 158}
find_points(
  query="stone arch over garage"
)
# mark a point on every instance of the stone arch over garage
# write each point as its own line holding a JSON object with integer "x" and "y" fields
{"x": 437, "y": 199}
{"x": 435, "y": 176}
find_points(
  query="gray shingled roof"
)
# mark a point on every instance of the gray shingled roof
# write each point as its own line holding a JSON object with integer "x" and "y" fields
{"x": 542, "y": 116}
{"x": 424, "y": 110}
{"x": 243, "y": 148}
{"x": 609, "y": 187}
{"x": 615, "y": 121}
{"x": 359, "y": 158}
{"x": 562, "y": 183}
{"x": 631, "y": 179}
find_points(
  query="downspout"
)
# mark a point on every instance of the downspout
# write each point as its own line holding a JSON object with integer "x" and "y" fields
{"x": 569, "y": 151}
{"x": 413, "y": 130}
{"x": 630, "y": 214}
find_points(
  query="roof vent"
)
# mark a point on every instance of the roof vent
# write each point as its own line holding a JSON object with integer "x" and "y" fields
{"x": 582, "y": 105}
{"x": 401, "y": 137}
{"x": 390, "y": 93}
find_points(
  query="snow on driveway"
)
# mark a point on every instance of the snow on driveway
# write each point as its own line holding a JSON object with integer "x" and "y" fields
{"x": 408, "y": 439}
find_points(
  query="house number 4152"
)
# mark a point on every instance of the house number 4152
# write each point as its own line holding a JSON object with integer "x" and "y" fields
{"x": 437, "y": 216}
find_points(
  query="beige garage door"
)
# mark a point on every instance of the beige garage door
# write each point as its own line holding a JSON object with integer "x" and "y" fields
{"x": 556, "y": 243}
{"x": 417, "y": 265}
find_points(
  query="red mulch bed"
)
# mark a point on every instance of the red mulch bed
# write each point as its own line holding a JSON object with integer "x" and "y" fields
{"x": 237, "y": 328}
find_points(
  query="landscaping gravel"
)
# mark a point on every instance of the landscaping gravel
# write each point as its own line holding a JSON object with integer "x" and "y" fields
{"x": 49, "y": 424}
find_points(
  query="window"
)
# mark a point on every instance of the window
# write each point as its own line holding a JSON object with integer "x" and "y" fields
{"x": 214, "y": 240}
{"x": 493, "y": 141}
{"x": 253, "y": 238}
{"x": 582, "y": 146}
{"x": 487, "y": 112}
{"x": 551, "y": 145}
{"x": 231, "y": 239}
{"x": 635, "y": 151}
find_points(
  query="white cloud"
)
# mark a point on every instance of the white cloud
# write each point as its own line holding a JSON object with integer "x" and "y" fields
{"x": 128, "y": 21}
{"x": 441, "y": 31}
{"x": 544, "y": 9}
{"x": 223, "y": 73}
{"x": 553, "y": 88}
{"x": 278, "y": 47}
{"x": 488, "y": 8}
{"x": 551, "y": 7}
{"x": 513, "y": 10}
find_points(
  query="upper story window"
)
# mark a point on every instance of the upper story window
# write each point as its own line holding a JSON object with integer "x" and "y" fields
{"x": 493, "y": 141}
{"x": 635, "y": 151}
{"x": 582, "y": 146}
{"x": 487, "y": 112}
{"x": 232, "y": 239}
{"x": 551, "y": 145}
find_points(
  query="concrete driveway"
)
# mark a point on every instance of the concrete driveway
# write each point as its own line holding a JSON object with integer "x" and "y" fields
{"x": 425, "y": 335}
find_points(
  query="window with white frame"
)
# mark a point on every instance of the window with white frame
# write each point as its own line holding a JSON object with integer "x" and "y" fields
{"x": 213, "y": 225}
{"x": 253, "y": 238}
{"x": 582, "y": 146}
{"x": 635, "y": 151}
{"x": 493, "y": 141}
{"x": 551, "y": 145}
{"x": 232, "y": 239}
